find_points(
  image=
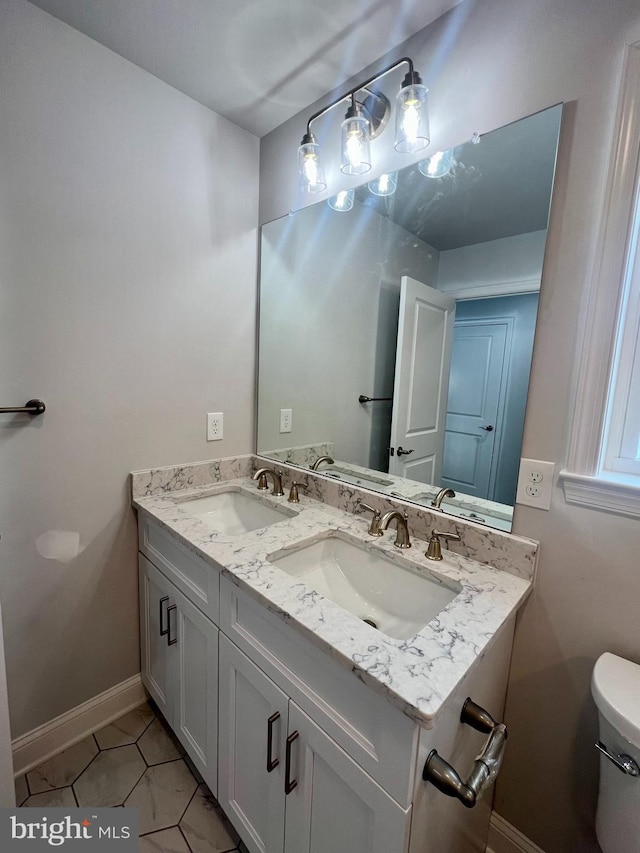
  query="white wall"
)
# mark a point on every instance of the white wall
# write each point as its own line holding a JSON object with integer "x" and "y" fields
{"x": 127, "y": 284}
{"x": 506, "y": 262}
{"x": 487, "y": 64}
{"x": 329, "y": 320}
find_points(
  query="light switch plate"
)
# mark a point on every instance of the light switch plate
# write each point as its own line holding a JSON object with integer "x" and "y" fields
{"x": 535, "y": 483}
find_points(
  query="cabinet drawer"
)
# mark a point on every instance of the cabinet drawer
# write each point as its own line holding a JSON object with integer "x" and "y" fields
{"x": 197, "y": 579}
{"x": 379, "y": 737}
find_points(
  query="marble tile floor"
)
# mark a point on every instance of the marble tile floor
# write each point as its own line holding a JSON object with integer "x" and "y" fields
{"x": 136, "y": 761}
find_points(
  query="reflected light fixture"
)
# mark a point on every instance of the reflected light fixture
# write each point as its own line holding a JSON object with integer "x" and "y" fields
{"x": 384, "y": 185}
{"x": 366, "y": 118}
{"x": 438, "y": 165}
{"x": 343, "y": 201}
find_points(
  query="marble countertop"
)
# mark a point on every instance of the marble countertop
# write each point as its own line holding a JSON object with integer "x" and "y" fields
{"x": 417, "y": 675}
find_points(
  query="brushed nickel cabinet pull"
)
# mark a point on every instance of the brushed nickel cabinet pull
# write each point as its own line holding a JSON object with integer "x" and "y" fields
{"x": 170, "y": 610}
{"x": 272, "y": 763}
{"x": 289, "y": 784}
{"x": 163, "y": 631}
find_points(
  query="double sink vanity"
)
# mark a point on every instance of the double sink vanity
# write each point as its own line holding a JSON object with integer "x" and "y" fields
{"x": 312, "y": 670}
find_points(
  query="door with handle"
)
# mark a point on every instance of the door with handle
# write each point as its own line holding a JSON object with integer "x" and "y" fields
{"x": 477, "y": 377}
{"x": 423, "y": 352}
{"x": 154, "y": 602}
{"x": 332, "y": 804}
{"x": 255, "y": 759}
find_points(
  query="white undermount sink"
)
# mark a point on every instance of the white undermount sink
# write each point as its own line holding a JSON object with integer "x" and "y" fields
{"x": 383, "y": 593}
{"x": 233, "y": 512}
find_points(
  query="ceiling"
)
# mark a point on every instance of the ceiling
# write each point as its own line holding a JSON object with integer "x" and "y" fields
{"x": 256, "y": 62}
{"x": 498, "y": 188}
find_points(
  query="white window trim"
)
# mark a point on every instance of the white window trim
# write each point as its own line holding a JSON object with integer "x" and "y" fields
{"x": 594, "y": 355}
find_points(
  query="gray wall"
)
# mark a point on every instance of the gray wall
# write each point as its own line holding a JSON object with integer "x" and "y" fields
{"x": 127, "y": 289}
{"x": 487, "y": 64}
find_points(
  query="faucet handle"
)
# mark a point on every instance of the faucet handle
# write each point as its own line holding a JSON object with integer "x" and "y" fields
{"x": 261, "y": 477}
{"x": 374, "y": 527}
{"x": 294, "y": 497}
{"x": 434, "y": 550}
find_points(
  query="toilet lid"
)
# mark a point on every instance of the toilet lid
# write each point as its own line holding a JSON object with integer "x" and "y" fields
{"x": 615, "y": 686}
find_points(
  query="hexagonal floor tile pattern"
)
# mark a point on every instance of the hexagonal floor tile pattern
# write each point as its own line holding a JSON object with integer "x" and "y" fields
{"x": 165, "y": 841}
{"x": 110, "y": 778}
{"x": 162, "y": 795}
{"x": 138, "y": 761}
{"x": 158, "y": 744}
{"x": 126, "y": 729}
{"x": 58, "y": 798}
{"x": 64, "y": 769}
{"x": 205, "y": 826}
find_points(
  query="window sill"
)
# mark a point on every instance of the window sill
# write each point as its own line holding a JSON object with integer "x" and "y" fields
{"x": 604, "y": 495}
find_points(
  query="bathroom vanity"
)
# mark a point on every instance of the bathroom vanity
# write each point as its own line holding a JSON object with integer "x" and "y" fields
{"x": 311, "y": 726}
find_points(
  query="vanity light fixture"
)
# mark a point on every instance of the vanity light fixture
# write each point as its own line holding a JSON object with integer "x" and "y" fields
{"x": 356, "y": 155}
{"x": 343, "y": 201}
{"x": 384, "y": 185}
{"x": 366, "y": 118}
{"x": 438, "y": 165}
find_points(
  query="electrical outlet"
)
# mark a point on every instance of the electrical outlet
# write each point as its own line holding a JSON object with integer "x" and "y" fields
{"x": 535, "y": 483}
{"x": 215, "y": 422}
{"x": 286, "y": 419}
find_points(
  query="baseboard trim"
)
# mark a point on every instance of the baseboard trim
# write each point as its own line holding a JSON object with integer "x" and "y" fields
{"x": 31, "y": 749}
{"x": 504, "y": 838}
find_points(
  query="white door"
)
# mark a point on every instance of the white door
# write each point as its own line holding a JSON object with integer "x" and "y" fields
{"x": 155, "y": 599}
{"x": 253, "y": 731}
{"x": 7, "y": 789}
{"x": 335, "y": 807}
{"x": 192, "y": 640}
{"x": 474, "y": 409}
{"x": 423, "y": 353}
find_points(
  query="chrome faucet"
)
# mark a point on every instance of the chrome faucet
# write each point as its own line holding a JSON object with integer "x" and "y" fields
{"x": 402, "y": 531}
{"x": 261, "y": 476}
{"x": 443, "y": 493}
{"x": 320, "y": 459}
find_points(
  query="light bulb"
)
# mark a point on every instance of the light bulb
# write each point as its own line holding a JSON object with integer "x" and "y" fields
{"x": 412, "y": 120}
{"x": 343, "y": 201}
{"x": 384, "y": 185}
{"x": 356, "y": 157}
{"x": 438, "y": 165}
{"x": 310, "y": 169}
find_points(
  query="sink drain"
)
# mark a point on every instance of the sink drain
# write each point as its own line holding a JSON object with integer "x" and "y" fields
{"x": 370, "y": 622}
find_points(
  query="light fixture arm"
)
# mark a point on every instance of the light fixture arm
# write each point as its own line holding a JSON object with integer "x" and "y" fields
{"x": 351, "y": 94}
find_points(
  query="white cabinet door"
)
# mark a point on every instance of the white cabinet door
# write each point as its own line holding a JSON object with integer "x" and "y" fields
{"x": 155, "y": 594}
{"x": 335, "y": 806}
{"x": 251, "y": 760}
{"x": 193, "y": 643}
{"x": 180, "y": 667}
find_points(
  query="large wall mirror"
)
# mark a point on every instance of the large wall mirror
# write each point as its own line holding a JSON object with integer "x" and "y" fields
{"x": 396, "y": 330}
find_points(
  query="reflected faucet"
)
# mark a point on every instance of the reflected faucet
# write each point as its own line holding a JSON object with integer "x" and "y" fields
{"x": 261, "y": 476}
{"x": 320, "y": 459}
{"x": 443, "y": 493}
{"x": 402, "y": 531}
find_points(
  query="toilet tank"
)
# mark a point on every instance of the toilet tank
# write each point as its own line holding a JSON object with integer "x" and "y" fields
{"x": 615, "y": 687}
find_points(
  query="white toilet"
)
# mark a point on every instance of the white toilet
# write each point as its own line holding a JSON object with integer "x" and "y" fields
{"x": 615, "y": 686}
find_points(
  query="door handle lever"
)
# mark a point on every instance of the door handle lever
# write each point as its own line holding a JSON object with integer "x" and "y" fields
{"x": 402, "y": 452}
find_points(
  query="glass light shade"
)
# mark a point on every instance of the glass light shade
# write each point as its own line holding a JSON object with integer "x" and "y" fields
{"x": 438, "y": 165}
{"x": 356, "y": 156}
{"x": 412, "y": 119}
{"x": 384, "y": 185}
{"x": 343, "y": 201}
{"x": 310, "y": 168}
